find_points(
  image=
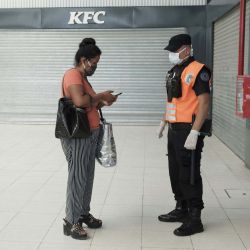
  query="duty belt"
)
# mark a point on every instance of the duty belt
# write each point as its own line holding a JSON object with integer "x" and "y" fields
{"x": 180, "y": 126}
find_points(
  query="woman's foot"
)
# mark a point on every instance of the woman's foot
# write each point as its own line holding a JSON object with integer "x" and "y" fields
{"x": 90, "y": 221}
{"x": 75, "y": 231}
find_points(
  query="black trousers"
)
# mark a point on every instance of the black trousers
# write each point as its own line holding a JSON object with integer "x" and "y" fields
{"x": 179, "y": 159}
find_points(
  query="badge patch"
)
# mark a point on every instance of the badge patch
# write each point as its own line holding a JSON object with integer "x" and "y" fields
{"x": 188, "y": 78}
{"x": 204, "y": 76}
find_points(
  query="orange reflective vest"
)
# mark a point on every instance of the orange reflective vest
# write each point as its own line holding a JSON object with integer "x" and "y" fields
{"x": 181, "y": 109}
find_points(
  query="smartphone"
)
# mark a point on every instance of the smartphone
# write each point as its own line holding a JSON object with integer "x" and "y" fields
{"x": 116, "y": 94}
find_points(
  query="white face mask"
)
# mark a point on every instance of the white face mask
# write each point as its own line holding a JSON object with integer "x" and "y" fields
{"x": 174, "y": 57}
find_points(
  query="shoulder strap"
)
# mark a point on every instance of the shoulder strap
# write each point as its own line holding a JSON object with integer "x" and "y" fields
{"x": 102, "y": 118}
{"x": 62, "y": 87}
{"x": 100, "y": 110}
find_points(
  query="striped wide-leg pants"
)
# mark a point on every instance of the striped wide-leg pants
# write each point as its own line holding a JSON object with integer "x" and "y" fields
{"x": 80, "y": 155}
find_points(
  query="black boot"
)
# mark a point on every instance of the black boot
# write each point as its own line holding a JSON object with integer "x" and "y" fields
{"x": 177, "y": 215}
{"x": 191, "y": 225}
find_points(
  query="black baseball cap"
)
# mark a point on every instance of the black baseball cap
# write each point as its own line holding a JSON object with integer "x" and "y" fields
{"x": 177, "y": 41}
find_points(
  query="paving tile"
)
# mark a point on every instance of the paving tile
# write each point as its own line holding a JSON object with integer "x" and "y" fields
{"x": 41, "y": 207}
{"x": 165, "y": 248}
{"x": 163, "y": 239}
{"x": 5, "y": 218}
{"x": 23, "y": 233}
{"x": 122, "y": 210}
{"x": 9, "y": 245}
{"x": 32, "y": 220}
{"x": 218, "y": 241}
{"x": 65, "y": 246}
{"x": 114, "y": 248}
{"x": 117, "y": 238}
{"x": 128, "y": 197}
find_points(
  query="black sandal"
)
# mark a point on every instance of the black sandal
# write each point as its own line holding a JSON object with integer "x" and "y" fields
{"x": 90, "y": 221}
{"x": 75, "y": 231}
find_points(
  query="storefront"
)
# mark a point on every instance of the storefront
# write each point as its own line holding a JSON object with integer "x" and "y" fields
{"x": 38, "y": 45}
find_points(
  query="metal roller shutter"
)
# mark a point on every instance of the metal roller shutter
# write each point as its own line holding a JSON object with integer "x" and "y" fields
{"x": 95, "y": 3}
{"x": 227, "y": 126}
{"x": 133, "y": 61}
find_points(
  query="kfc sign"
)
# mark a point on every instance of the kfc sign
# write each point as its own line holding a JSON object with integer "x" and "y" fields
{"x": 84, "y": 17}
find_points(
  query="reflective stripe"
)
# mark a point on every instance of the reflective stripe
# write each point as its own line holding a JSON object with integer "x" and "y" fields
{"x": 171, "y": 118}
{"x": 171, "y": 105}
{"x": 171, "y": 111}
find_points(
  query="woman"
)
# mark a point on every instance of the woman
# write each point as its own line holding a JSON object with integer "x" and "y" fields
{"x": 80, "y": 152}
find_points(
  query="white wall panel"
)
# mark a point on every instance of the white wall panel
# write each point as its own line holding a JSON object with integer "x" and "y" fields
{"x": 133, "y": 61}
{"x": 95, "y": 3}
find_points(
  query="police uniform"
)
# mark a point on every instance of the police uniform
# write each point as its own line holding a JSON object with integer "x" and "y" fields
{"x": 184, "y": 83}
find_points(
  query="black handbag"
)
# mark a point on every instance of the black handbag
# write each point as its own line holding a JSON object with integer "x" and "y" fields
{"x": 71, "y": 121}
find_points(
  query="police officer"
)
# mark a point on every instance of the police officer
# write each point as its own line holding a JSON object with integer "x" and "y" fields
{"x": 187, "y": 108}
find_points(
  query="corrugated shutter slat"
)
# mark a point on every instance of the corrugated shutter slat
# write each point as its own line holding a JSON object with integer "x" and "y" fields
{"x": 133, "y": 61}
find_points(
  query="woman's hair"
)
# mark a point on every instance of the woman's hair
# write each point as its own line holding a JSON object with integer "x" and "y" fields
{"x": 87, "y": 49}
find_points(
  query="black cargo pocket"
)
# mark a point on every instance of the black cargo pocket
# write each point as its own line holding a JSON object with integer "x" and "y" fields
{"x": 185, "y": 156}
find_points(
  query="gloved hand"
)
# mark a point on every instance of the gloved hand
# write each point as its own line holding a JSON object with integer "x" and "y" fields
{"x": 160, "y": 129}
{"x": 191, "y": 140}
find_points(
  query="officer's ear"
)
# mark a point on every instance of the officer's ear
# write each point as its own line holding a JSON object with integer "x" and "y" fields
{"x": 188, "y": 50}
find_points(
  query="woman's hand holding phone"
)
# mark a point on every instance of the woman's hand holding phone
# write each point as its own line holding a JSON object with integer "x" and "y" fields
{"x": 108, "y": 98}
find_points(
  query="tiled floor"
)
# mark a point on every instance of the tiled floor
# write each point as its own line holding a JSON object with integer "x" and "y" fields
{"x": 128, "y": 198}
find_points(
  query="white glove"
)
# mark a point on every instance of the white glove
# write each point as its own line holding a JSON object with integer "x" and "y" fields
{"x": 160, "y": 129}
{"x": 191, "y": 140}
